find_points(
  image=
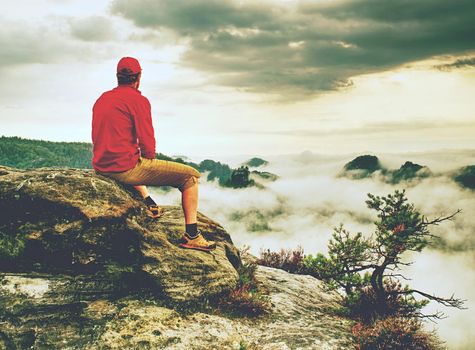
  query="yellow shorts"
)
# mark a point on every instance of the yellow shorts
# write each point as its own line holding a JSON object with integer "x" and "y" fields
{"x": 157, "y": 172}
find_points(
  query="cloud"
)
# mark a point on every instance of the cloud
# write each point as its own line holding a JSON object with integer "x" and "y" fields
{"x": 372, "y": 128}
{"x": 22, "y": 44}
{"x": 307, "y": 47}
{"x": 464, "y": 62}
{"x": 309, "y": 197}
{"x": 445, "y": 274}
{"x": 191, "y": 17}
{"x": 94, "y": 28}
{"x": 26, "y": 43}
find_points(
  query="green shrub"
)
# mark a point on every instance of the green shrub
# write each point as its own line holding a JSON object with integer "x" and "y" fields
{"x": 290, "y": 260}
{"x": 248, "y": 298}
{"x": 395, "y": 333}
{"x": 363, "y": 304}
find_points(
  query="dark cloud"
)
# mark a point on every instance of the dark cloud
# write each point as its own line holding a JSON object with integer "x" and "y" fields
{"x": 309, "y": 47}
{"x": 191, "y": 17}
{"x": 95, "y": 28}
{"x": 394, "y": 11}
{"x": 465, "y": 62}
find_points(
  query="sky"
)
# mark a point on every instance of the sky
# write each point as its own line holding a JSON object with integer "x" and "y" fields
{"x": 229, "y": 77}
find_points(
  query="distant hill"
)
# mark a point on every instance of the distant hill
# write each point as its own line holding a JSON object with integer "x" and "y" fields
{"x": 26, "y": 153}
{"x": 361, "y": 167}
{"x": 367, "y": 162}
{"x": 255, "y": 162}
{"x": 466, "y": 177}
{"x": 364, "y": 166}
{"x": 408, "y": 171}
{"x": 217, "y": 170}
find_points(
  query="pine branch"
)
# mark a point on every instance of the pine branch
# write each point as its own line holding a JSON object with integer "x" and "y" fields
{"x": 452, "y": 302}
{"x": 438, "y": 220}
{"x": 398, "y": 275}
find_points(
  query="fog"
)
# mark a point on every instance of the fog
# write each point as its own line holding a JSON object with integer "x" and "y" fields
{"x": 309, "y": 199}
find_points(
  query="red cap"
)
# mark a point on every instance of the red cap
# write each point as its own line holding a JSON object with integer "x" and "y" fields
{"x": 128, "y": 66}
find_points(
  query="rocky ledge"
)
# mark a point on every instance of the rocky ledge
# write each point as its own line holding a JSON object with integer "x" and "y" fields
{"x": 83, "y": 267}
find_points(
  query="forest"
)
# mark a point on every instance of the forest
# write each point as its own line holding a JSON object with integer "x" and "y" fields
{"x": 25, "y": 153}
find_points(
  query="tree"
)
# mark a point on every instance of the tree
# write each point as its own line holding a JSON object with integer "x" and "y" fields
{"x": 240, "y": 177}
{"x": 368, "y": 270}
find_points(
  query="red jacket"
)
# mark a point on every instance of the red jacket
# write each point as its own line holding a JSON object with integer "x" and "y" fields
{"x": 122, "y": 129}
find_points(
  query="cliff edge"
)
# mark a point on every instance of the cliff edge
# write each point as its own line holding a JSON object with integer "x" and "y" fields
{"x": 83, "y": 267}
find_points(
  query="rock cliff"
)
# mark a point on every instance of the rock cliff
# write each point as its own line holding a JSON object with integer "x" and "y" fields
{"x": 75, "y": 222}
{"x": 83, "y": 267}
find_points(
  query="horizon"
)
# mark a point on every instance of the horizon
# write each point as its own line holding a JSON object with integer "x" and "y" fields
{"x": 237, "y": 158}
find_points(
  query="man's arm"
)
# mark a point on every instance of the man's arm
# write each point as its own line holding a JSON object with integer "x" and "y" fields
{"x": 144, "y": 129}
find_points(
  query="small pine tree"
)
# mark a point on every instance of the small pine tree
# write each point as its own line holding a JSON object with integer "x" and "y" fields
{"x": 368, "y": 269}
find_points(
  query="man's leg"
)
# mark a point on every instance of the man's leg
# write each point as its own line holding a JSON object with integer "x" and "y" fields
{"x": 155, "y": 172}
{"x": 142, "y": 190}
{"x": 189, "y": 203}
{"x": 152, "y": 208}
{"x": 189, "y": 200}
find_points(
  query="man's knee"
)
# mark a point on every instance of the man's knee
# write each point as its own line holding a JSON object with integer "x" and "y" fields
{"x": 191, "y": 181}
{"x": 195, "y": 172}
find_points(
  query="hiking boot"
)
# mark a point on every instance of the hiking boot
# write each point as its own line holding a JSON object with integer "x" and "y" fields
{"x": 198, "y": 242}
{"x": 154, "y": 211}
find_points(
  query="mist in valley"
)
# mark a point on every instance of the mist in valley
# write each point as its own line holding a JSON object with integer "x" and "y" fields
{"x": 309, "y": 199}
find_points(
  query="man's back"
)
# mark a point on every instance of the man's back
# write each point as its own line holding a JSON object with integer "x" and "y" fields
{"x": 121, "y": 129}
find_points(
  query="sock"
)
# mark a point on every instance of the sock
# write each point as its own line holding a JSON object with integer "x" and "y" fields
{"x": 192, "y": 230}
{"x": 149, "y": 201}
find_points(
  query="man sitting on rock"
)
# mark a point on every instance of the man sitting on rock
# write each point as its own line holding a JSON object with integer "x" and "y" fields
{"x": 124, "y": 149}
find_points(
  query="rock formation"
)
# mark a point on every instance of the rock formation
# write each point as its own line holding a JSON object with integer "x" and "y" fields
{"x": 83, "y": 267}
{"x": 255, "y": 162}
{"x": 366, "y": 166}
{"x": 361, "y": 167}
{"x": 409, "y": 171}
{"x": 465, "y": 177}
{"x": 74, "y": 221}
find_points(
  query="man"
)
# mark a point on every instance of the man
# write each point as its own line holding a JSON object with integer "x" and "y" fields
{"x": 124, "y": 149}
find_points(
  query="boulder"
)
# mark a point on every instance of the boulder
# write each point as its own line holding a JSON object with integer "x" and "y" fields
{"x": 75, "y": 222}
